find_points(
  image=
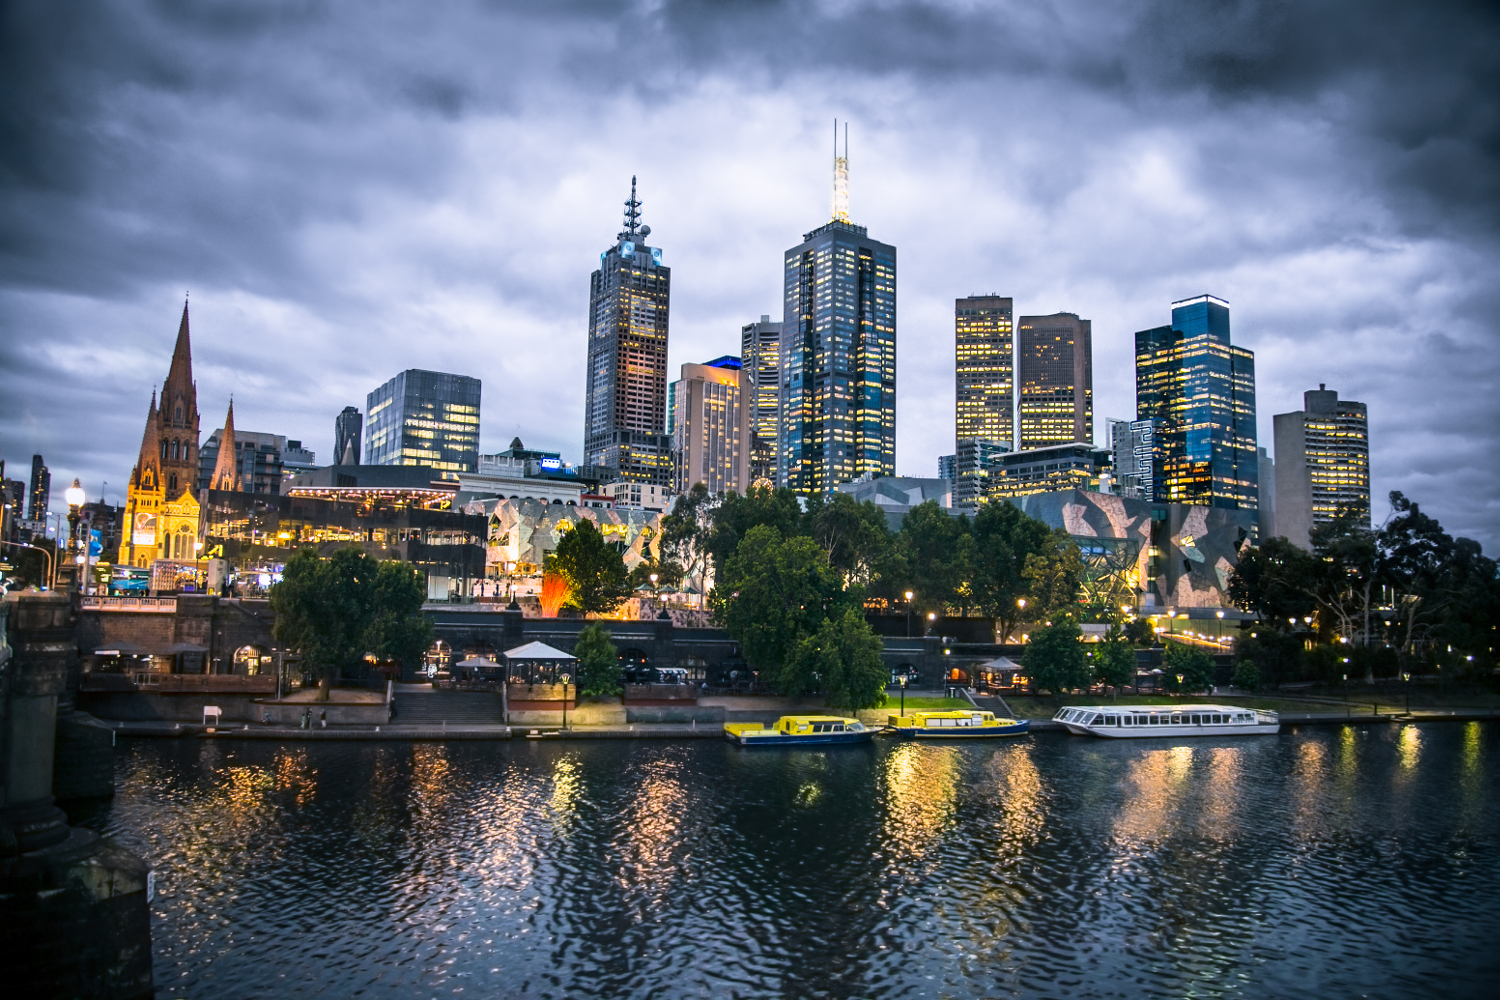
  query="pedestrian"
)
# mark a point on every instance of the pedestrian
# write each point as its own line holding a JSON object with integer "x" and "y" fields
{"x": 323, "y": 719}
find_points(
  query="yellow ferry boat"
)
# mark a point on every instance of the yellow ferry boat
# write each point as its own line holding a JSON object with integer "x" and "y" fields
{"x": 796, "y": 730}
{"x": 956, "y": 724}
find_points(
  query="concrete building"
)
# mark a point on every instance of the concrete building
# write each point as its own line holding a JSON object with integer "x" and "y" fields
{"x": 1047, "y": 470}
{"x": 760, "y": 353}
{"x": 838, "y": 354}
{"x": 625, "y": 400}
{"x": 1201, "y": 390}
{"x": 424, "y": 418}
{"x": 712, "y": 428}
{"x": 649, "y": 497}
{"x": 1267, "y": 495}
{"x": 1322, "y": 463}
{"x": 1054, "y": 381}
{"x": 347, "y": 427}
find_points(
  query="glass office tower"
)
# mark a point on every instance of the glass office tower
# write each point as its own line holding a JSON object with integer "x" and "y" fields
{"x": 1200, "y": 390}
{"x": 625, "y": 403}
{"x": 760, "y": 350}
{"x": 1055, "y": 380}
{"x": 424, "y": 418}
{"x": 838, "y": 354}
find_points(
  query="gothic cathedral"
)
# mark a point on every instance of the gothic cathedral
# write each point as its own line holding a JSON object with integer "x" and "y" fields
{"x": 161, "y": 509}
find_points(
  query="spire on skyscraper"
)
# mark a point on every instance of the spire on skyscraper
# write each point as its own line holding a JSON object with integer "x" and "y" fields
{"x": 840, "y": 175}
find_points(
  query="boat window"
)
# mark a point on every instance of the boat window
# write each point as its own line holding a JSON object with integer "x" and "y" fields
{"x": 1098, "y": 720}
{"x": 1195, "y": 720}
{"x": 1219, "y": 719}
{"x": 1111, "y": 720}
{"x": 1156, "y": 720}
{"x": 1176, "y": 719}
{"x": 1128, "y": 720}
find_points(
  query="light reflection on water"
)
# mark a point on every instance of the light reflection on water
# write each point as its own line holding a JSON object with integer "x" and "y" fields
{"x": 1331, "y": 862}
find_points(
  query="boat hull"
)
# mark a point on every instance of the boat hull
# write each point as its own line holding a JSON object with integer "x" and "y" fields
{"x": 961, "y": 732}
{"x": 1172, "y": 732}
{"x": 799, "y": 739}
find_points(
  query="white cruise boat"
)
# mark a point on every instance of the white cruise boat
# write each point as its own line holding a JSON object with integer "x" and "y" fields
{"x": 1118, "y": 721}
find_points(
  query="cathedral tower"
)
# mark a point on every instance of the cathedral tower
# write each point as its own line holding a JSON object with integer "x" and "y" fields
{"x": 168, "y": 462}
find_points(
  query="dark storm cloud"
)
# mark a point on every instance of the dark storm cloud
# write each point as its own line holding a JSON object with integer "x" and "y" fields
{"x": 350, "y": 184}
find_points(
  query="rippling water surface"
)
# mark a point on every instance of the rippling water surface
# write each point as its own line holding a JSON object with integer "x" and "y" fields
{"x": 1339, "y": 862}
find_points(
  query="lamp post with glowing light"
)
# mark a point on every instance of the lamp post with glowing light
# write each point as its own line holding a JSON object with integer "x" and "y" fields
{"x": 75, "y": 497}
{"x": 565, "y": 678}
{"x": 908, "y": 614}
{"x": 903, "y": 693}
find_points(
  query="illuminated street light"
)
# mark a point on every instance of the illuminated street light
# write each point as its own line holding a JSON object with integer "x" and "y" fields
{"x": 565, "y": 678}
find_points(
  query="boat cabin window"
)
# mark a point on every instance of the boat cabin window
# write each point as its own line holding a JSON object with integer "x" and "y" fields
{"x": 1098, "y": 720}
{"x": 1111, "y": 720}
{"x": 1128, "y": 720}
{"x": 1195, "y": 719}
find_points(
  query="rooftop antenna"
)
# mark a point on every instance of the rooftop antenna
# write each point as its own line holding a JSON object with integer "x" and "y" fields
{"x": 840, "y": 175}
{"x": 632, "y": 213}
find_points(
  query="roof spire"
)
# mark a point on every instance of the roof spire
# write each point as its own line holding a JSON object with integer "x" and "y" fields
{"x": 840, "y": 175}
{"x": 226, "y": 474}
{"x": 632, "y": 213}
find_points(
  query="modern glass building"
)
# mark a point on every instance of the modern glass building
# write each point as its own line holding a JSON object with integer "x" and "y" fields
{"x": 838, "y": 354}
{"x": 347, "y": 427}
{"x": 424, "y": 418}
{"x": 625, "y": 403}
{"x": 1200, "y": 390}
{"x": 984, "y": 389}
{"x": 1055, "y": 380}
{"x": 760, "y": 351}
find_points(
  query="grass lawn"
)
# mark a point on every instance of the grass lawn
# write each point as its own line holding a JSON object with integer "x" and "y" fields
{"x": 923, "y": 702}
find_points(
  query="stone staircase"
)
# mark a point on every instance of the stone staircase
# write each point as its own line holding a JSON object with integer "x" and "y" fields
{"x": 456, "y": 708}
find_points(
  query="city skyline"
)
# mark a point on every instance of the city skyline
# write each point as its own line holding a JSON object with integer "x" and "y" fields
{"x": 1346, "y": 258}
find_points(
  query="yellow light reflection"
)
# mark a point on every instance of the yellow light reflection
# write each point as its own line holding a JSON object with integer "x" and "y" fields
{"x": 652, "y": 829}
{"x": 1218, "y": 817}
{"x": 1409, "y": 747}
{"x": 921, "y": 784}
{"x": 1154, "y": 793}
{"x": 1309, "y": 790}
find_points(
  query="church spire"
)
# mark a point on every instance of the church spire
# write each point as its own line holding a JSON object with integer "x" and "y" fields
{"x": 227, "y": 465}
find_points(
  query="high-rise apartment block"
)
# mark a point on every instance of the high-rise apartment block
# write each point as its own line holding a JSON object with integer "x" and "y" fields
{"x": 625, "y": 403}
{"x": 838, "y": 354}
{"x": 1054, "y": 380}
{"x": 1322, "y": 463}
{"x": 40, "y": 493}
{"x": 424, "y": 418}
{"x": 347, "y": 427}
{"x": 972, "y": 462}
{"x": 1201, "y": 389}
{"x": 760, "y": 351}
{"x": 712, "y": 405}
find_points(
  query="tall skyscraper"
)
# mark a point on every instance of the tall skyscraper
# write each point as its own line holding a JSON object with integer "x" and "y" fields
{"x": 711, "y": 426}
{"x": 1201, "y": 389}
{"x": 1055, "y": 380}
{"x": 838, "y": 353}
{"x": 425, "y": 418}
{"x": 984, "y": 390}
{"x": 346, "y": 434}
{"x": 1322, "y": 463}
{"x": 40, "y": 491}
{"x": 760, "y": 351}
{"x": 1130, "y": 443}
{"x": 625, "y": 405}
{"x": 159, "y": 497}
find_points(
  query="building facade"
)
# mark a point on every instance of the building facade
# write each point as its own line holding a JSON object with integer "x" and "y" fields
{"x": 347, "y": 428}
{"x": 1322, "y": 463}
{"x": 1200, "y": 389}
{"x": 1130, "y": 444}
{"x": 760, "y": 352}
{"x": 625, "y": 404}
{"x": 631, "y": 495}
{"x": 984, "y": 389}
{"x": 1055, "y": 380}
{"x": 424, "y": 418}
{"x": 713, "y": 408}
{"x": 257, "y": 461}
{"x": 1075, "y": 466}
{"x": 166, "y": 471}
{"x": 838, "y": 354}
{"x": 971, "y": 469}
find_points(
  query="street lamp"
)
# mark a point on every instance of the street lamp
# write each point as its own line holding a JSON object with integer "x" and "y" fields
{"x": 931, "y": 620}
{"x": 75, "y": 497}
{"x": 565, "y": 678}
{"x": 908, "y": 614}
{"x": 1406, "y": 681}
{"x": 903, "y": 693}
{"x": 1179, "y": 685}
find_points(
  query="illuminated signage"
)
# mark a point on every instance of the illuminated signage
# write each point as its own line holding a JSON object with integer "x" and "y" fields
{"x": 552, "y": 463}
{"x": 627, "y": 249}
{"x": 144, "y": 530}
{"x": 656, "y": 256}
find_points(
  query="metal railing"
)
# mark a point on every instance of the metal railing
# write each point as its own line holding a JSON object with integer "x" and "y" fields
{"x": 159, "y": 604}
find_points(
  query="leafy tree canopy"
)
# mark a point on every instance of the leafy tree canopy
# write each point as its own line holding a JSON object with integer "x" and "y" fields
{"x": 1194, "y": 664}
{"x": 593, "y": 569}
{"x": 843, "y": 659}
{"x": 1114, "y": 659}
{"x": 1055, "y": 658}
{"x": 598, "y": 663}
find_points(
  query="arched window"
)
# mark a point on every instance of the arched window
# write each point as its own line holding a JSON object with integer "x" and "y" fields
{"x": 172, "y": 484}
{"x": 178, "y": 421}
{"x": 176, "y": 449}
{"x": 164, "y": 451}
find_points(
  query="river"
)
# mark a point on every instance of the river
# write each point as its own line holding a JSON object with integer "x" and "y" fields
{"x": 1329, "y": 862}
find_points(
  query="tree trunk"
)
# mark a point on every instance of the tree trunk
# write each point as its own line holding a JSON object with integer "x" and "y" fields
{"x": 325, "y": 687}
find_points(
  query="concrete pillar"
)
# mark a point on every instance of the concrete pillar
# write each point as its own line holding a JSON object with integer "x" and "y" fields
{"x": 664, "y": 653}
{"x": 74, "y": 920}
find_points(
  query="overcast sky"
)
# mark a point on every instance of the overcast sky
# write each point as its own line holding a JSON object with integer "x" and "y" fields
{"x": 349, "y": 189}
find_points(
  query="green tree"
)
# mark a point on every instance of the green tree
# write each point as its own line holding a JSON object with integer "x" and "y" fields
{"x": 1055, "y": 658}
{"x": 1004, "y": 536}
{"x": 684, "y": 537}
{"x": 593, "y": 569}
{"x": 1246, "y": 676}
{"x": 598, "y": 663}
{"x": 735, "y": 515}
{"x": 1055, "y": 575}
{"x": 843, "y": 658}
{"x": 937, "y": 551}
{"x": 1275, "y": 580}
{"x": 1139, "y": 631}
{"x": 1195, "y": 666}
{"x": 853, "y": 535}
{"x": 772, "y": 594}
{"x": 325, "y": 608}
{"x": 1114, "y": 659}
{"x": 398, "y": 630}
